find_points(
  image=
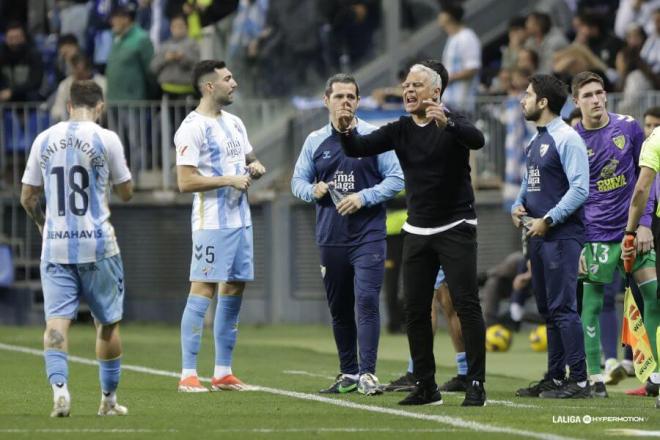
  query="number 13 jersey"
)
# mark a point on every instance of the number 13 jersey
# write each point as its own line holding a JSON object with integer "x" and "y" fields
{"x": 77, "y": 162}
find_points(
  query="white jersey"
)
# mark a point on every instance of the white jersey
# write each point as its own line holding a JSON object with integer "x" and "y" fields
{"x": 216, "y": 147}
{"x": 76, "y": 162}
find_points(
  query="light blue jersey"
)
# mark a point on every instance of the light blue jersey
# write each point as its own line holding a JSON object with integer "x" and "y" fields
{"x": 216, "y": 147}
{"x": 76, "y": 163}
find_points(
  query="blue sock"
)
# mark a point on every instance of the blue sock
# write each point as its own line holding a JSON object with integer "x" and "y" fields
{"x": 109, "y": 372}
{"x": 192, "y": 324}
{"x": 225, "y": 327}
{"x": 410, "y": 365}
{"x": 461, "y": 363}
{"x": 57, "y": 368}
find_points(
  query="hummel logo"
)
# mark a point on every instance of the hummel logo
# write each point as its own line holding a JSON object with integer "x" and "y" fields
{"x": 106, "y": 394}
{"x": 59, "y": 385}
{"x": 591, "y": 332}
{"x": 198, "y": 248}
{"x": 198, "y": 256}
{"x": 198, "y": 252}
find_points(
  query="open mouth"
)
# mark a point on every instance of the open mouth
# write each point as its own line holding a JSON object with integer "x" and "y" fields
{"x": 410, "y": 99}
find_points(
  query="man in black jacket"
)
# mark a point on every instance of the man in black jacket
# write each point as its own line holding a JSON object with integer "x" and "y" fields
{"x": 433, "y": 146}
{"x": 21, "y": 69}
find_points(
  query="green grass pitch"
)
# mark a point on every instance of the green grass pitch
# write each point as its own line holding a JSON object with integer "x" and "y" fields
{"x": 291, "y": 363}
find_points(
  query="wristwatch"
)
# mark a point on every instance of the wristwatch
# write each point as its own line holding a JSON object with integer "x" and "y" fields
{"x": 548, "y": 220}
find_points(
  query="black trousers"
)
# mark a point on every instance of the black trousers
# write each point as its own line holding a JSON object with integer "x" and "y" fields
{"x": 391, "y": 283}
{"x": 456, "y": 250}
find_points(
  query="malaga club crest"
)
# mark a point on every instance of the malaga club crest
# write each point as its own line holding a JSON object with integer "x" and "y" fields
{"x": 619, "y": 141}
{"x": 544, "y": 149}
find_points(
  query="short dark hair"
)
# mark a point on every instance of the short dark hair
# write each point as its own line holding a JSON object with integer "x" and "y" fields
{"x": 67, "y": 39}
{"x": 653, "y": 112}
{"x": 202, "y": 69}
{"x": 86, "y": 94}
{"x": 592, "y": 19}
{"x": 440, "y": 69}
{"x": 517, "y": 23}
{"x": 533, "y": 55}
{"x": 575, "y": 113}
{"x": 129, "y": 9}
{"x": 454, "y": 10}
{"x": 582, "y": 79}
{"x": 341, "y": 78}
{"x": 550, "y": 88}
{"x": 15, "y": 25}
{"x": 544, "y": 20}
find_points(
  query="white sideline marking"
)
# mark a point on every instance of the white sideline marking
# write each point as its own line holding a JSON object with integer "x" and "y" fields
{"x": 293, "y": 430}
{"x": 83, "y": 430}
{"x": 445, "y": 420}
{"x": 633, "y": 432}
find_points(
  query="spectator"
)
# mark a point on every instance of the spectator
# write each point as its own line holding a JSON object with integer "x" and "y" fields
{"x": 243, "y": 47}
{"x": 21, "y": 68}
{"x": 174, "y": 61}
{"x": 128, "y": 74}
{"x": 577, "y": 58}
{"x": 289, "y": 45}
{"x": 517, "y": 36}
{"x": 635, "y": 11}
{"x": 200, "y": 13}
{"x": 544, "y": 39}
{"x": 635, "y": 37}
{"x": 651, "y": 49}
{"x": 591, "y": 32}
{"x": 352, "y": 25}
{"x": 518, "y": 134}
{"x": 73, "y": 17}
{"x": 462, "y": 57}
{"x": 635, "y": 79}
{"x": 528, "y": 59}
{"x": 67, "y": 47}
{"x": 81, "y": 69}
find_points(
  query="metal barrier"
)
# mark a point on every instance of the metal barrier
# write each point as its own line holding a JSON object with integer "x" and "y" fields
{"x": 146, "y": 128}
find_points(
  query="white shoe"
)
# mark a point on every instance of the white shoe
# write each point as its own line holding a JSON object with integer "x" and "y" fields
{"x": 61, "y": 407}
{"x": 369, "y": 385}
{"x": 614, "y": 372}
{"x": 108, "y": 409}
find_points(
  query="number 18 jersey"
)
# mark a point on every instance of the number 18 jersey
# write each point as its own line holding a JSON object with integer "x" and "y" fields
{"x": 76, "y": 162}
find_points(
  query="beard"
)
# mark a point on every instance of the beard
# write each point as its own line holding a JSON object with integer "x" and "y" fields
{"x": 533, "y": 116}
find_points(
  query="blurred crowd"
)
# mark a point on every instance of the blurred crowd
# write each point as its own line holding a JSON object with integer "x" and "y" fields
{"x": 141, "y": 49}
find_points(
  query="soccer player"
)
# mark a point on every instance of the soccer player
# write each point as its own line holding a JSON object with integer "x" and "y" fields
{"x": 651, "y": 120}
{"x": 441, "y": 301}
{"x": 433, "y": 146}
{"x": 215, "y": 161}
{"x": 552, "y": 193}
{"x": 649, "y": 162}
{"x": 350, "y": 232}
{"x": 613, "y": 145}
{"x": 73, "y": 164}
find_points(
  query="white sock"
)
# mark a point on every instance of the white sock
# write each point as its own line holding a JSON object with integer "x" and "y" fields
{"x": 596, "y": 378}
{"x": 352, "y": 376}
{"x": 655, "y": 378}
{"x": 110, "y": 397}
{"x": 582, "y": 384}
{"x": 516, "y": 311}
{"x": 187, "y": 372}
{"x": 557, "y": 381}
{"x": 59, "y": 391}
{"x": 221, "y": 371}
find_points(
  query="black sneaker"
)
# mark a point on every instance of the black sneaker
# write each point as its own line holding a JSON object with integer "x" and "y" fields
{"x": 475, "y": 394}
{"x": 536, "y": 388}
{"x": 657, "y": 402}
{"x": 343, "y": 384}
{"x": 569, "y": 390}
{"x": 456, "y": 383}
{"x": 423, "y": 395}
{"x": 404, "y": 383}
{"x": 652, "y": 389}
{"x": 598, "y": 390}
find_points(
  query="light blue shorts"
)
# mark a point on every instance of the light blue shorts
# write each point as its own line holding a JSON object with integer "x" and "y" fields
{"x": 101, "y": 284}
{"x": 440, "y": 279}
{"x": 222, "y": 255}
